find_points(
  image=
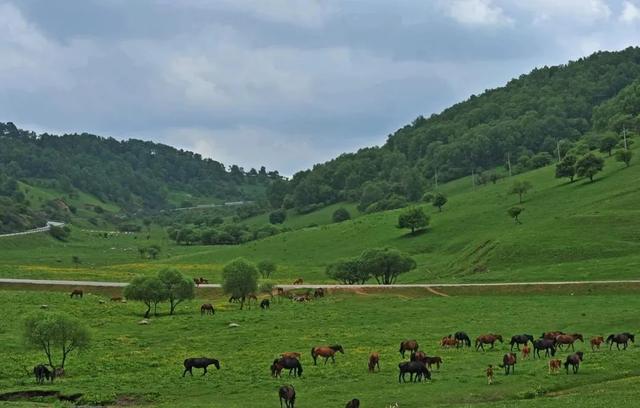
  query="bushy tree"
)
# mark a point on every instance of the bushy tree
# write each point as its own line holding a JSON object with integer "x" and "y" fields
{"x": 439, "y": 200}
{"x": 148, "y": 290}
{"x": 178, "y": 287}
{"x": 427, "y": 197}
{"x": 55, "y": 333}
{"x": 413, "y": 219}
{"x": 385, "y": 265}
{"x": 278, "y": 217}
{"x": 624, "y": 156}
{"x": 608, "y": 142}
{"x": 239, "y": 279}
{"x": 567, "y": 167}
{"x": 514, "y": 212}
{"x": 60, "y": 233}
{"x": 589, "y": 166}
{"x": 341, "y": 214}
{"x": 520, "y": 187}
{"x": 267, "y": 268}
{"x": 348, "y": 272}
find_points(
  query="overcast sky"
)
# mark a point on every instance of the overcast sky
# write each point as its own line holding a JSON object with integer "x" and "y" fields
{"x": 284, "y": 84}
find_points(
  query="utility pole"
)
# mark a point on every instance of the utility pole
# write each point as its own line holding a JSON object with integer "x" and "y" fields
{"x": 624, "y": 135}
{"x": 509, "y": 162}
{"x": 435, "y": 177}
{"x": 473, "y": 177}
{"x": 558, "y": 146}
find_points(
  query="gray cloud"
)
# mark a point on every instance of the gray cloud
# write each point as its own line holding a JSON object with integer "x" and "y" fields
{"x": 279, "y": 83}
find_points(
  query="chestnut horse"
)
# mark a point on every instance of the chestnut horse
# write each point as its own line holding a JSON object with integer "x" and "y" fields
{"x": 426, "y": 360}
{"x": 449, "y": 342}
{"x": 596, "y": 342}
{"x": 526, "y": 350}
{"x": 487, "y": 339}
{"x": 328, "y": 352}
{"x": 291, "y": 354}
{"x": 554, "y": 366}
{"x": 551, "y": 335}
{"x": 574, "y": 361}
{"x": 408, "y": 345}
{"x": 509, "y": 363}
{"x": 568, "y": 340}
{"x": 207, "y": 308}
{"x": 374, "y": 361}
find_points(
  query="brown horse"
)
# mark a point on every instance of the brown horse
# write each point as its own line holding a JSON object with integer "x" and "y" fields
{"x": 487, "y": 339}
{"x": 551, "y": 335}
{"x": 298, "y": 281}
{"x": 574, "y": 361}
{"x": 568, "y": 340}
{"x": 596, "y": 342}
{"x": 354, "y": 403}
{"x": 328, "y": 352}
{"x": 509, "y": 363}
{"x": 554, "y": 366}
{"x": 291, "y": 354}
{"x": 207, "y": 308}
{"x": 426, "y": 360}
{"x": 287, "y": 394}
{"x": 526, "y": 350}
{"x": 374, "y": 361}
{"x": 449, "y": 342}
{"x": 76, "y": 293}
{"x": 408, "y": 345}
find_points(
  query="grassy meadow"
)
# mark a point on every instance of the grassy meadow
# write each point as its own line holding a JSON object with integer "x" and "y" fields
{"x": 142, "y": 365}
{"x": 569, "y": 231}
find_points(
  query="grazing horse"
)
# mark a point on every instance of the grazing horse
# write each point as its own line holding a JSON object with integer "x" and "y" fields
{"x": 265, "y": 304}
{"x": 318, "y": 293}
{"x": 293, "y": 364}
{"x": 201, "y": 362}
{"x": 207, "y": 308}
{"x": 413, "y": 367}
{"x": 519, "y": 339}
{"x": 76, "y": 293}
{"x": 544, "y": 344}
{"x": 463, "y": 339}
{"x": 487, "y": 339}
{"x": 326, "y": 352}
{"x": 298, "y": 281}
{"x": 568, "y": 339}
{"x": 509, "y": 363}
{"x": 42, "y": 372}
{"x": 408, "y": 345}
{"x": 200, "y": 281}
{"x": 291, "y": 354}
{"x": 622, "y": 338}
{"x": 551, "y": 335}
{"x": 374, "y": 361}
{"x": 287, "y": 394}
{"x": 354, "y": 403}
{"x": 426, "y": 360}
{"x": 449, "y": 342}
{"x": 574, "y": 361}
{"x": 596, "y": 342}
{"x": 554, "y": 366}
{"x": 526, "y": 350}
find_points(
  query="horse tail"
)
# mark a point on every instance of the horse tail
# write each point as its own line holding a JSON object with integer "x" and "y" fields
{"x": 468, "y": 341}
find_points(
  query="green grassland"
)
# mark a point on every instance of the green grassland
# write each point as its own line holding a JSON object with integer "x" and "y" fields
{"x": 142, "y": 364}
{"x": 569, "y": 231}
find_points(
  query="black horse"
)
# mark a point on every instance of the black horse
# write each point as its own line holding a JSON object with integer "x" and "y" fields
{"x": 265, "y": 304}
{"x": 42, "y": 372}
{"x": 622, "y": 338}
{"x": 293, "y": 364}
{"x": 413, "y": 367}
{"x": 463, "y": 339}
{"x": 201, "y": 362}
{"x": 574, "y": 361}
{"x": 287, "y": 394}
{"x": 519, "y": 339}
{"x": 354, "y": 403}
{"x": 544, "y": 344}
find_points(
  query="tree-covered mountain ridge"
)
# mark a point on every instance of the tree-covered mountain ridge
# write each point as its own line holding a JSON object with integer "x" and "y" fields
{"x": 525, "y": 124}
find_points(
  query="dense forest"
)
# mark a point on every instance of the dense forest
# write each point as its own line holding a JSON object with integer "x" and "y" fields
{"x": 526, "y": 124}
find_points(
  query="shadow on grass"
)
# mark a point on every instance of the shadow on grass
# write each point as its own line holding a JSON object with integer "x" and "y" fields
{"x": 415, "y": 234}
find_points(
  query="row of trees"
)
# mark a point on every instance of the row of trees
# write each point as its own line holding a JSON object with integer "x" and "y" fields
{"x": 168, "y": 286}
{"x": 384, "y": 265}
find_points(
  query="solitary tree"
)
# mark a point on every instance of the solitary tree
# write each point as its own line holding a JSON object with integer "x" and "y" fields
{"x": 439, "y": 200}
{"x": 348, "y": 272}
{"x": 147, "y": 289}
{"x": 178, "y": 287}
{"x": 589, "y": 166}
{"x": 267, "y": 268}
{"x": 608, "y": 142}
{"x": 514, "y": 212}
{"x": 413, "y": 218}
{"x": 239, "y": 279}
{"x": 520, "y": 188}
{"x": 55, "y": 333}
{"x": 278, "y": 217}
{"x": 624, "y": 156}
{"x": 385, "y": 265}
{"x": 341, "y": 214}
{"x": 566, "y": 168}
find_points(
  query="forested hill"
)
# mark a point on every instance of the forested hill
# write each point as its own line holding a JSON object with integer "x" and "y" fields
{"x": 132, "y": 174}
{"x": 527, "y": 121}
